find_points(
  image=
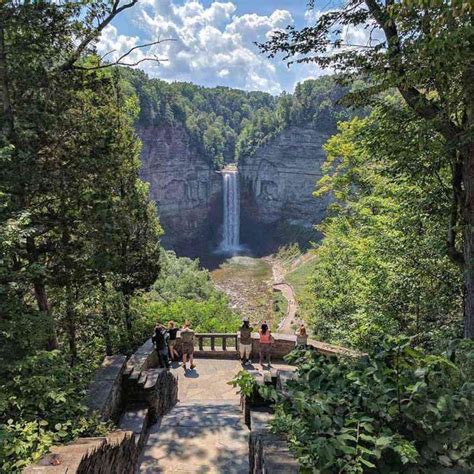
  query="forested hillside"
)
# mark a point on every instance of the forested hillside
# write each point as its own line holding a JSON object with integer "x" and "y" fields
{"x": 213, "y": 117}
{"x": 226, "y": 124}
{"x": 314, "y": 104}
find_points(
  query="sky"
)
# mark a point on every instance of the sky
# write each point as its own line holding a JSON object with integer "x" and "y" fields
{"x": 213, "y": 41}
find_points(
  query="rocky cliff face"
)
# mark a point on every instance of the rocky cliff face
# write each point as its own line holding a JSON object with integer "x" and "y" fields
{"x": 277, "y": 183}
{"x": 185, "y": 187}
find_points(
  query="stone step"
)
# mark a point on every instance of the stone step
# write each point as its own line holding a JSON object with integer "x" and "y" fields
{"x": 134, "y": 376}
{"x": 135, "y": 418}
{"x": 152, "y": 378}
{"x": 142, "y": 378}
{"x": 127, "y": 371}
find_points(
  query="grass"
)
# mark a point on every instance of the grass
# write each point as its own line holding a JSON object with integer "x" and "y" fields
{"x": 298, "y": 279}
{"x": 280, "y": 308}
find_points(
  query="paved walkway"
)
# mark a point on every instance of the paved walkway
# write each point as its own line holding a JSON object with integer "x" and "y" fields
{"x": 204, "y": 433}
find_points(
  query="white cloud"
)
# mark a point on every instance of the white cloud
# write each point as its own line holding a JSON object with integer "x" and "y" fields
{"x": 211, "y": 45}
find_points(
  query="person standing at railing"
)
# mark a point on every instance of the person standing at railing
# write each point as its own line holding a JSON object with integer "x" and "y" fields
{"x": 245, "y": 344}
{"x": 172, "y": 331}
{"x": 187, "y": 344}
{"x": 160, "y": 341}
{"x": 301, "y": 337}
{"x": 266, "y": 341}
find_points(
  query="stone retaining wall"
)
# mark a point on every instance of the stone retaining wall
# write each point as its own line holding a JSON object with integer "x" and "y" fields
{"x": 115, "y": 453}
{"x": 105, "y": 391}
{"x": 117, "y": 388}
{"x": 268, "y": 452}
{"x": 115, "y": 456}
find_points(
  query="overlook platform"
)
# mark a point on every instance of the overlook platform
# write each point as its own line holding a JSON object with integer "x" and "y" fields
{"x": 204, "y": 432}
{"x": 181, "y": 421}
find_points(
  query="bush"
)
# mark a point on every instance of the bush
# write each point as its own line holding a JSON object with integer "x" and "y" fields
{"x": 396, "y": 411}
{"x": 213, "y": 315}
{"x": 40, "y": 405}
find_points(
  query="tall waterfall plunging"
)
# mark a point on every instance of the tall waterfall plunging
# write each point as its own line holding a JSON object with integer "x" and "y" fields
{"x": 231, "y": 225}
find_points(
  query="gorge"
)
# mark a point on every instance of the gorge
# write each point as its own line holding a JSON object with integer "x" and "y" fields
{"x": 191, "y": 134}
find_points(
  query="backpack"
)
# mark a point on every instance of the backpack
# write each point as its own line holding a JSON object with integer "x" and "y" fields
{"x": 159, "y": 339}
{"x": 245, "y": 335}
{"x": 187, "y": 336}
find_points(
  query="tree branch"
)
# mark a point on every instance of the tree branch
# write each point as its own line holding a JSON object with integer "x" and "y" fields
{"x": 422, "y": 106}
{"x": 119, "y": 61}
{"x": 116, "y": 10}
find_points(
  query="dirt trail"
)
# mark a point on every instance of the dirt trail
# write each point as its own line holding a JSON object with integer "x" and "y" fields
{"x": 287, "y": 291}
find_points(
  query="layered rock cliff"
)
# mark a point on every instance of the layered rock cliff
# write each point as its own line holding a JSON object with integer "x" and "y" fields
{"x": 277, "y": 183}
{"x": 185, "y": 186}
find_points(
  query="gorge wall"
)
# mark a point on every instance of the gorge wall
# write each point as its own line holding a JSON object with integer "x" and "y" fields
{"x": 277, "y": 182}
{"x": 186, "y": 188}
{"x": 277, "y": 185}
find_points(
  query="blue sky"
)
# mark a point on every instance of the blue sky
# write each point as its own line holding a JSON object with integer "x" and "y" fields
{"x": 213, "y": 41}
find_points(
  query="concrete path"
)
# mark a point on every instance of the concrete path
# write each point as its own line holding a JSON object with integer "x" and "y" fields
{"x": 204, "y": 433}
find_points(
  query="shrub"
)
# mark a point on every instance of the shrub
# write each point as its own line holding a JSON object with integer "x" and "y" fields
{"x": 40, "y": 405}
{"x": 395, "y": 411}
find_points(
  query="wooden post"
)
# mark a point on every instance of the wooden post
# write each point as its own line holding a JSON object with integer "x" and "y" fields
{"x": 224, "y": 343}
{"x": 200, "y": 338}
{"x": 213, "y": 343}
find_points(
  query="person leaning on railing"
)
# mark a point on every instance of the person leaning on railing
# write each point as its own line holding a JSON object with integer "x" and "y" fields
{"x": 160, "y": 342}
{"x": 301, "y": 338}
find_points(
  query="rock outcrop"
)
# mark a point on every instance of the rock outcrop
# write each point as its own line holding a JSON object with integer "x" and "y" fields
{"x": 186, "y": 188}
{"x": 277, "y": 183}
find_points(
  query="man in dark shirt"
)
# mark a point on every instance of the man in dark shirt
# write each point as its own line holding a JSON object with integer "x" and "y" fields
{"x": 160, "y": 341}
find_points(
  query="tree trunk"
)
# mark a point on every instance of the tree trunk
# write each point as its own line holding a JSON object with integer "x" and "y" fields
{"x": 71, "y": 325}
{"x": 43, "y": 306}
{"x": 7, "y": 125}
{"x": 105, "y": 319}
{"x": 468, "y": 243}
{"x": 128, "y": 316}
{"x": 468, "y": 204}
{"x": 41, "y": 296}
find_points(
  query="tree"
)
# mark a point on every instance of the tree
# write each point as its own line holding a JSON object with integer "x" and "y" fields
{"x": 69, "y": 156}
{"x": 424, "y": 50}
{"x": 382, "y": 267}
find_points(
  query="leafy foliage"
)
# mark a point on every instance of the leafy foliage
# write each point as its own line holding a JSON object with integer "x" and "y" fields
{"x": 245, "y": 383}
{"x": 41, "y": 403}
{"x": 184, "y": 291}
{"x": 315, "y": 103}
{"x": 424, "y": 50}
{"x": 382, "y": 266}
{"x": 396, "y": 411}
{"x": 78, "y": 234}
{"x": 214, "y": 117}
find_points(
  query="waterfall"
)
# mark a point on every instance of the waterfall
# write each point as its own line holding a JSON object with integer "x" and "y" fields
{"x": 231, "y": 224}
